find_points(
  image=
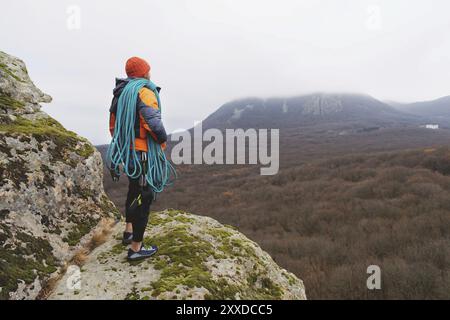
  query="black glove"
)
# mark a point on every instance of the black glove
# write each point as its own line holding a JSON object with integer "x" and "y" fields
{"x": 114, "y": 175}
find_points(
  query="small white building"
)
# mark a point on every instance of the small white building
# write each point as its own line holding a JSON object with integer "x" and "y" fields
{"x": 432, "y": 126}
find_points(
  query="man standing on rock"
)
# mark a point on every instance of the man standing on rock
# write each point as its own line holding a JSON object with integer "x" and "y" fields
{"x": 147, "y": 124}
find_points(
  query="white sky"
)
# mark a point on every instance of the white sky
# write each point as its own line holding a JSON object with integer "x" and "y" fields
{"x": 207, "y": 52}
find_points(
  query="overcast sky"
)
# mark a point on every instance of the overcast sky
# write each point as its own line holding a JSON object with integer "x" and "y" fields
{"x": 204, "y": 53}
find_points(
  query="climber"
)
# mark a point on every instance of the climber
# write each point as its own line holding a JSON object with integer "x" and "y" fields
{"x": 147, "y": 125}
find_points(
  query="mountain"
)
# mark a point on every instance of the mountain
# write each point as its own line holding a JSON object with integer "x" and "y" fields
{"x": 308, "y": 110}
{"x": 199, "y": 258}
{"x": 435, "y": 110}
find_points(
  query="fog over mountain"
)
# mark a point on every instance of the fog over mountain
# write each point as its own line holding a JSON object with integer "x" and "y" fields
{"x": 204, "y": 53}
{"x": 307, "y": 110}
{"x": 436, "y": 110}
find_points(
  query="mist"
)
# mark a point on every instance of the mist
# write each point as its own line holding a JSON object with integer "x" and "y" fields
{"x": 206, "y": 53}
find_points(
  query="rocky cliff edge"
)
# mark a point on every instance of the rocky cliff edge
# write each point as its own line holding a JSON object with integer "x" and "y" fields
{"x": 55, "y": 215}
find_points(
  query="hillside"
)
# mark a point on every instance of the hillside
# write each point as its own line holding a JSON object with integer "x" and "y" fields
{"x": 198, "y": 259}
{"x": 435, "y": 110}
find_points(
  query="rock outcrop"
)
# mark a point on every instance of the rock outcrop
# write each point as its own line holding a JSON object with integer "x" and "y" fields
{"x": 198, "y": 258}
{"x": 51, "y": 187}
{"x": 52, "y": 201}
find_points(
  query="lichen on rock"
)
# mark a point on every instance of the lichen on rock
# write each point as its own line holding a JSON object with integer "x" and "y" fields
{"x": 198, "y": 258}
{"x": 50, "y": 186}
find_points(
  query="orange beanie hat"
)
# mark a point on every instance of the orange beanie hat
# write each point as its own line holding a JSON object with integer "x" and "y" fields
{"x": 137, "y": 67}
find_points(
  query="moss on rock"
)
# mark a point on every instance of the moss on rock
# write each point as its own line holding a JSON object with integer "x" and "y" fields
{"x": 184, "y": 266}
{"x": 4, "y": 68}
{"x": 108, "y": 206}
{"x": 198, "y": 258}
{"x": 48, "y": 179}
{"x": 48, "y": 129}
{"x": 15, "y": 171}
{"x": 83, "y": 225}
{"x": 10, "y": 103}
{"x": 182, "y": 256}
{"x": 24, "y": 263}
{"x": 85, "y": 151}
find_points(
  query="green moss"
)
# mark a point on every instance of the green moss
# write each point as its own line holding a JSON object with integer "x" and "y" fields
{"x": 48, "y": 180}
{"x": 6, "y": 70}
{"x": 252, "y": 278}
{"x": 231, "y": 246}
{"x": 117, "y": 249}
{"x": 156, "y": 220}
{"x": 291, "y": 279}
{"x": 45, "y": 129}
{"x": 84, "y": 193}
{"x": 108, "y": 206}
{"x": 56, "y": 230}
{"x": 10, "y": 103}
{"x": 184, "y": 219}
{"x": 172, "y": 215}
{"x": 103, "y": 258}
{"x": 235, "y": 247}
{"x": 85, "y": 151}
{"x": 182, "y": 256}
{"x": 186, "y": 254}
{"x": 25, "y": 262}
{"x": 133, "y": 295}
{"x": 15, "y": 171}
{"x": 83, "y": 226}
{"x": 269, "y": 287}
{"x": 220, "y": 233}
{"x": 74, "y": 236}
{"x": 231, "y": 227}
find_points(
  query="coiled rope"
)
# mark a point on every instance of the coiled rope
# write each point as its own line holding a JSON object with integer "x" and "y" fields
{"x": 121, "y": 154}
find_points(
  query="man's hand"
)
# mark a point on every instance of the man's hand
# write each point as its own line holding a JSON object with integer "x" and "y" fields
{"x": 115, "y": 177}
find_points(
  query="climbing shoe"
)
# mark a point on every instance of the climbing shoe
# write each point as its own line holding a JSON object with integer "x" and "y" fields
{"x": 127, "y": 238}
{"x": 144, "y": 253}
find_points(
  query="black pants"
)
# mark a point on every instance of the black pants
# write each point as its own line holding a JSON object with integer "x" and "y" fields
{"x": 137, "y": 215}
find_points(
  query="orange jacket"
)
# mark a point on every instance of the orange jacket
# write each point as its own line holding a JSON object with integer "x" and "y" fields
{"x": 148, "y": 120}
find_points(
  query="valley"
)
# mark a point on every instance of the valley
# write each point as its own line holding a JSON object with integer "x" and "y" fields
{"x": 372, "y": 188}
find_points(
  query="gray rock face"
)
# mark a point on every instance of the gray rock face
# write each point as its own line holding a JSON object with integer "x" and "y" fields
{"x": 321, "y": 104}
{"x": 51, "y": 187}
{"x": 15, "y": 82}
{"x": 198, "y": 258}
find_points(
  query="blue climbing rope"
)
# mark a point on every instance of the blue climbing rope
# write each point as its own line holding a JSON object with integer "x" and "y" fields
{"x": 121, "y": 154}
